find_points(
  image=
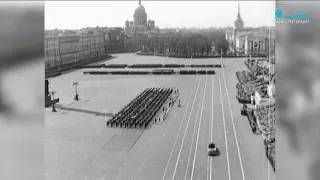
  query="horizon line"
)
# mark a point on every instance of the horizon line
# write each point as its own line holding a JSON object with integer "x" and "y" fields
{"x": 209, "y": 27}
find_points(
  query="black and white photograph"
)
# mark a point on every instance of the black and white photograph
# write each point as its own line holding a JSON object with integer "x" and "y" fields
{"x": 160, "y": 90}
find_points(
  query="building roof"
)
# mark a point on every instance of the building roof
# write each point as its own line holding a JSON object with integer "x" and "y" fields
{"x": 140, "y": 10}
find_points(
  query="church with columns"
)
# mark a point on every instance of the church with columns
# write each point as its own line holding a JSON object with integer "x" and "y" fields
{"x": 249, "y": 41}
{"x": 140, "y": 24}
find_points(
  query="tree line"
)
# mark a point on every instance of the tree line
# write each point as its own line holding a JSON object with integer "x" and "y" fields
{"x": 182, "y": 43}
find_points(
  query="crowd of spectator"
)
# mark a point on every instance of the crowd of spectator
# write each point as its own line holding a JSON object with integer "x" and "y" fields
{"x": 258, "y": 103}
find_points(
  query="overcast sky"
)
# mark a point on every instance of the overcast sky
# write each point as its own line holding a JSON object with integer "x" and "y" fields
{"x": 79, "y": 14}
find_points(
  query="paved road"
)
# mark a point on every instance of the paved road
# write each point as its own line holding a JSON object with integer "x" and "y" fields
{"x": 174, "y": 149}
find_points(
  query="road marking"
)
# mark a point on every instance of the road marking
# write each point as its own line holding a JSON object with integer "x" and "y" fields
{"x": 185, "y": 113}
{"x": 268, "y": 170}
{"x": 193, "y": 135}
{"x": 196, "y": 148}
{"x": 147, "y": 158}
{"x": 184, "y": 135}
{"x": 211, "y": 126}
{"x": 225, "y": 132}
{"x": 234, "y": 128}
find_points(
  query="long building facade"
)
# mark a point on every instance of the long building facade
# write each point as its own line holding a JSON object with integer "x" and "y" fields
{"x": 71, "y": 50}
{"x": 52, "y": 51}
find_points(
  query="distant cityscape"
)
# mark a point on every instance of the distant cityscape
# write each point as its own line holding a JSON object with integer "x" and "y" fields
{"x": 68, "y": 48}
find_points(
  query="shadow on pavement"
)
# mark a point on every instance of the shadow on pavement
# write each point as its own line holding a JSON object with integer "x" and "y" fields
{"x": 84, "y": 111}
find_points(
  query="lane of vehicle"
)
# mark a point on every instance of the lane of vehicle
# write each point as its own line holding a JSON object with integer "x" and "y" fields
{"x": 194, "y": 140}
{"x": 189, "y": 135}
{"x": 156, "y": 166}
{"x": 174, "y": 149}
{"x": 210, "y": 131}
{"x": 236, "y": 166}
{"x": 200, "y": 162}
{"x": 221, "y": 163}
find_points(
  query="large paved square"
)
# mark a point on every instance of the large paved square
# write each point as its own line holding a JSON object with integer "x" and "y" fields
{"x": 77, "y": 136}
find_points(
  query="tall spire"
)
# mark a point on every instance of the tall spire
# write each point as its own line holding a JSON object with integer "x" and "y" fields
{"x": 238, "y": 22}
{"x": 139, "y": 2}
{"x": 238, "y": 9}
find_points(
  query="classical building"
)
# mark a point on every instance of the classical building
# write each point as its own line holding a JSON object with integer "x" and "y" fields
{"x": 140, "y": 24}
{"x": 92, "y": 47}
{"x": 255, "y": 44}
{"x": 69, "y": 47}
{"x": 69, "y": 50}
{"x": 51, "y": 51}
{"x": 248, "y": 41}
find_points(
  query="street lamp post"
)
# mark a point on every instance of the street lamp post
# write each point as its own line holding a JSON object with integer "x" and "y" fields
{"x": 75, "y": 84}
{"x": 52, "y": 92}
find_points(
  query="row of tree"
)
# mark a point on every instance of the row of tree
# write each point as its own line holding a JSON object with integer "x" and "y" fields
{"x": 182, "y": 43}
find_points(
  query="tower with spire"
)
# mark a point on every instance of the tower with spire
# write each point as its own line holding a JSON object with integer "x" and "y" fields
{"x": 238, "y": 23}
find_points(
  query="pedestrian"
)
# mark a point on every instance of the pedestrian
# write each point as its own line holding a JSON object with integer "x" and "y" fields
{"x": 155, "y": 120}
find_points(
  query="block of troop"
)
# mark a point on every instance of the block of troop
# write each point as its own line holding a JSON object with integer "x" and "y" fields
{"x": 140, "y": 112}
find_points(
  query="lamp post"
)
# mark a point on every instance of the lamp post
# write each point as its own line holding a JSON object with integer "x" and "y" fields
{"x": 52, "y": 92}
{"x": 75, "y": 84}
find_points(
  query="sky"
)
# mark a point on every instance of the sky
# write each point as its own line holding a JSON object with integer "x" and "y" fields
{"x": 166, "y": 14}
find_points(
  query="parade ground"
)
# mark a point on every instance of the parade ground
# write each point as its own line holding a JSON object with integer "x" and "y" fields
{"x": 79, "y": 146}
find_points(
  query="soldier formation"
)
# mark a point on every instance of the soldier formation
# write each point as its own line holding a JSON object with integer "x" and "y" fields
{"x": 142, "y": 110}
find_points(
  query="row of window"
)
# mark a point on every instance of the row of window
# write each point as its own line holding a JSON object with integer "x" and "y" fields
{"x": 91, "y": 47}
{"x": 51, "y": 61}
{"x": 52, "y": 44}
{"x": 56, "y": 44}
{"x": 69, "y": 58}
{"x": 55, "y": 52}
{"x": 54, "y": 60}
{"x": 63, "y": 45}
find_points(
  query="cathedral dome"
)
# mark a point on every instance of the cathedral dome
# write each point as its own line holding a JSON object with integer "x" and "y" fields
{"x": 140, "y": 16}
{"x": 140, "y": 10}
